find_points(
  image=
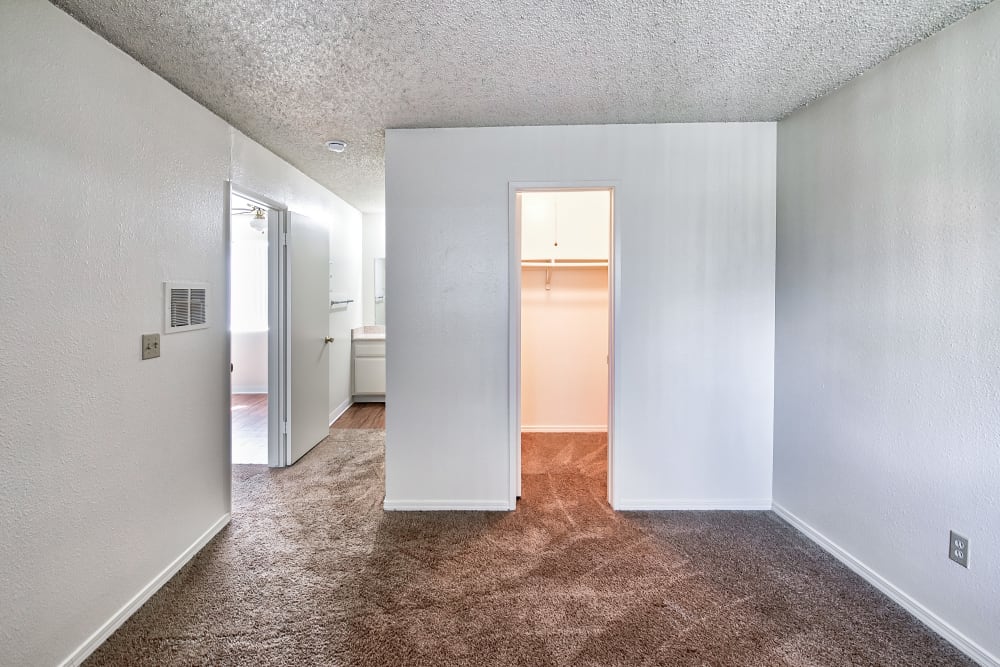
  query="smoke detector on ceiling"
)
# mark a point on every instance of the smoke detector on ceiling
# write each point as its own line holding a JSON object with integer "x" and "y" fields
{"x": 336, "y": 145}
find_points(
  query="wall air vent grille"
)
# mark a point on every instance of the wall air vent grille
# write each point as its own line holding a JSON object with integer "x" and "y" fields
{"x": 186, "y": 306}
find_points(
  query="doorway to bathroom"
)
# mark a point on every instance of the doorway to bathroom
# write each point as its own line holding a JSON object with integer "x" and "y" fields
{"x": 562, "y": 332}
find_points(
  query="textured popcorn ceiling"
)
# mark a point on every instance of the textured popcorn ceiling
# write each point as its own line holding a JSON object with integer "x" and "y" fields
{"x": 292, "y": 73}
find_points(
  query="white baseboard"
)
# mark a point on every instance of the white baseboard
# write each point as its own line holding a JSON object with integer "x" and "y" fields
{"x": 369, "y": 398}
{"x": 643, "y": 504}
{"x": 597, "y": 428}
{"x": 925, "y": 615}
{"x": 250, "y": 390}
{"x": 108, "y": 627}
{"x": 340, "y": 409}
{"x": 445, "y": 505}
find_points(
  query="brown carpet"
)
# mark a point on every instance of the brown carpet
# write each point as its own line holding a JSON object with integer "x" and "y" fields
{"x": 312, "y": 572}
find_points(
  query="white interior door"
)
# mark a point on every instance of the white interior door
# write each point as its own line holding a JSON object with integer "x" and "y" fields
{"x": 308, "y": 318}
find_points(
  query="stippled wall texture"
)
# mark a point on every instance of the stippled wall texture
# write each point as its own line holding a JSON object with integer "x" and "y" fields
{"x": 293, "y": 73}
{"x": 111, "y": 181}
{"x": 887, "y": 421}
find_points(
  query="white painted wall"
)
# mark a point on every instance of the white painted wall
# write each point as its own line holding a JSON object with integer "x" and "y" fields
{"x": 888, "y": 327}
{"x": 249, "y": 357}
{"x": 111, "y": 182}
{"x": 373, "y": 245}
{"x": 564, "y": 349}
{"x": 346, "y": 257}
{"x": 695, "y": 331}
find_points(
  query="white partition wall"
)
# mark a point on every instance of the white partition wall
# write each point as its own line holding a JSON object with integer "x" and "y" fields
{"x": 695, "y": 336}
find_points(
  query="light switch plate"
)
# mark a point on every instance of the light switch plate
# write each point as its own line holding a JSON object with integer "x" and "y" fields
{"x": 150, "y": 346}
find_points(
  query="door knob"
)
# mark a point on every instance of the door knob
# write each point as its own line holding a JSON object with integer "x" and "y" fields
{"x": 328, "y": 339}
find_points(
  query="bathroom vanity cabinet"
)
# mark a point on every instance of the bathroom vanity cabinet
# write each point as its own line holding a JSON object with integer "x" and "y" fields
{"x": 368, "y": 361}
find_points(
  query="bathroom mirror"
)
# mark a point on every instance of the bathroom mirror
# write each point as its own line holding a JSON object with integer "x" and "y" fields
{"x": 380, "y": 290}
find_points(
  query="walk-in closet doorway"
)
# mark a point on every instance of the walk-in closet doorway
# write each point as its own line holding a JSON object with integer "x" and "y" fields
{"x": 563, "y": 282}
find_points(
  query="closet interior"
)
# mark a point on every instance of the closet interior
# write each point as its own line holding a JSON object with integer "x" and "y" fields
{"x": 565, "y": 302}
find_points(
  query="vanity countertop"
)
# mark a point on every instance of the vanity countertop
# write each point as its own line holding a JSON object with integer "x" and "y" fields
{"x": 368, "y": 333}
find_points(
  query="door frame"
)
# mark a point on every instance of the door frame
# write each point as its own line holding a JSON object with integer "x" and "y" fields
{"x": 514, "y": 323}
{"x": 278, "y": 352}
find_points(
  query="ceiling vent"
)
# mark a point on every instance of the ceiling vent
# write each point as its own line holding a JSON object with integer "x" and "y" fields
{"x": 185, "y": 306}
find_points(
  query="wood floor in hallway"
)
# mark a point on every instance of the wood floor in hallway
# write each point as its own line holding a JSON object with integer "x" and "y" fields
{"x": 249, "y": 415}
{"x": 362, "y": 415}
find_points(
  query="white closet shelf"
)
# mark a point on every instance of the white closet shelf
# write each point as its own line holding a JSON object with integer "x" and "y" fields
{"x": 564, "y": 264}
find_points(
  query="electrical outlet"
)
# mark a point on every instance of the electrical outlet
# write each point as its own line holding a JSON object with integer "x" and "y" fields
{"x": 150, "y": 346}
{"x": 958, "y": 549}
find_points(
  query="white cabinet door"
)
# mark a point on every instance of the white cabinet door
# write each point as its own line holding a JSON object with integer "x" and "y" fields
{"x": 369, "y": 375}
{"x": 583, "y": 224}
{"x": 566, "y": 225}
{"x": 538, "y": 220}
